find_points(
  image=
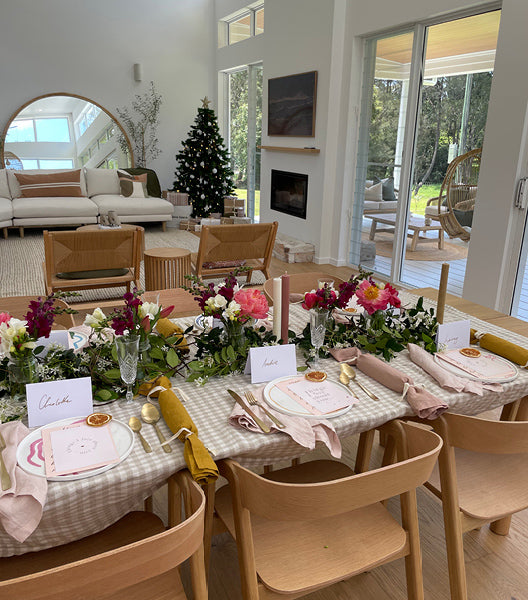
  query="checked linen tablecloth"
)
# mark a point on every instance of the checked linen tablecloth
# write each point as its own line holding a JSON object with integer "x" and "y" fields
{"x": 75, "y": 509}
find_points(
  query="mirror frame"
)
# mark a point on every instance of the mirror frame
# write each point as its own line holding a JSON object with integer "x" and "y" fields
{"x": 21, "y": 108}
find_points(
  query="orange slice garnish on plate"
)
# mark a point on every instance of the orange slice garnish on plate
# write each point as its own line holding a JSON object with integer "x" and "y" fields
{"x": 98, "y": 419}
{"x": 316, "y": 376}
{"x": 471, "y": 352}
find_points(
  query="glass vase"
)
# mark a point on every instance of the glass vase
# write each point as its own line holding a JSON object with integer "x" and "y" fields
{"x": 21, "y": 370}
{"x": 236, "y": 336}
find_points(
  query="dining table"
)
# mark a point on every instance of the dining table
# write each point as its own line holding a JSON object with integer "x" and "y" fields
{"x": 77, "y": 508}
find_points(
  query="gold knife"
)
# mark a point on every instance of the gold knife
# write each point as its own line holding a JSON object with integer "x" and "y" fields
{"x": 4, "y": 475}
{"x": 258, "y": 421}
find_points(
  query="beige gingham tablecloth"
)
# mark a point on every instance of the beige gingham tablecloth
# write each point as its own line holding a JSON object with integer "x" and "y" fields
{"x": 79, "y": 508}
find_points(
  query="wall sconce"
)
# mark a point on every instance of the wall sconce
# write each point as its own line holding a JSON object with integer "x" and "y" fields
{"x": 138, "y": 72}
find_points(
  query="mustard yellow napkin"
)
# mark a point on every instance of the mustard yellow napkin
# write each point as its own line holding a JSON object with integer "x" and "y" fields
{"x": 202, "y": 467}
{"x": 167, "y": 328}
{"x": 502, "y": 347}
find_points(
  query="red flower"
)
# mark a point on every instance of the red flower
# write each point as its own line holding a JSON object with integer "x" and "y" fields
{"x": 393, "y": 298}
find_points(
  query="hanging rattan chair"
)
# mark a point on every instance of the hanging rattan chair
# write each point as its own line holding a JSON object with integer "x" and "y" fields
{"x": 458, "y": 194}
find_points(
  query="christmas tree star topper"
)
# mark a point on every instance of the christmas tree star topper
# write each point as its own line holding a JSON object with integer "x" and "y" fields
{"x": 205, "y": 102}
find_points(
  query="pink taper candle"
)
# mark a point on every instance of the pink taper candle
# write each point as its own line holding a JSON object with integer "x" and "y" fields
{"x": 285, "y": 307}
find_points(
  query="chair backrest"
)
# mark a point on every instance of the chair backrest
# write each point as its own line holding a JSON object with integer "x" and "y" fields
{"x": 67, "y": 251}
{"x": 301, "y": 283}
{"x": 17, "y": 306}
{"x": 304, "y": 502}
{"x": 233, "y": 242}
{"x": 483, "y": 435}
{"x": 107, "y": 573}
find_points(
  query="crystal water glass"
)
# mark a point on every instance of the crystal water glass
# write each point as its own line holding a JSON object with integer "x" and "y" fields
{"x": 127, "y": 347}
{"x": 318, "y": 320}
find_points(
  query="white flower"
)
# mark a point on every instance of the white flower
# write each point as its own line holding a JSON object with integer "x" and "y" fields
{"x": 220, "y": 301}
{"x": 95, "y": 319}
{"x": 10, "y": 331}
{"x": 148, "y": 309}
{"x": 232, "y": 310}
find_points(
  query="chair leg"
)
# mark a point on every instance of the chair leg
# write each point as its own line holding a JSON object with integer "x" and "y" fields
{"x": 148, "y": 504}
{"x": 413, "y": 561}
{"x": 364, "y": 451}
{"x": 208, "y": 525}
{"x": 502, "y": 526}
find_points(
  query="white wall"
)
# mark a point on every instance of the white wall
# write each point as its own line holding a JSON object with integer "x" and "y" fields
{"x": 90, "y": 48}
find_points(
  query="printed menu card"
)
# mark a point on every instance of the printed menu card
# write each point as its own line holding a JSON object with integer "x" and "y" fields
{"x": 77, "y": 447}
{"x": 319, "y": 398}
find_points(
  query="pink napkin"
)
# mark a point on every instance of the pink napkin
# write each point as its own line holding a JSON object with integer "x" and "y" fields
{"x": 21, "y": 505}
{"x": 424, "y": 404}
{"x": 306, "y": 432}
{"x": 444, "y": 378}
{"x": 296, "y": 297}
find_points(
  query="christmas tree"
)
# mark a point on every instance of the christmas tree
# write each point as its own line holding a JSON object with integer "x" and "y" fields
{"x": 203, "y": 169}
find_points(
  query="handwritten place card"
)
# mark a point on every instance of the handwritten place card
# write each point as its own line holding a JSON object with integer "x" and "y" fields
{"x": 453, "y": 335}
{"x": 270, "y": 362}
{"x": 54, "y": 400}
{"x": 76, "y": 448}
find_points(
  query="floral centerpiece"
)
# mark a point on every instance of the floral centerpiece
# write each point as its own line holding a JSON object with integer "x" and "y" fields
{"x": 383, "y": 327}
{"x": 223, "y": 348}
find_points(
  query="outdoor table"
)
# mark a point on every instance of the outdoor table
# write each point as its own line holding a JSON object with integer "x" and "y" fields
{"x": 75, "y": 509}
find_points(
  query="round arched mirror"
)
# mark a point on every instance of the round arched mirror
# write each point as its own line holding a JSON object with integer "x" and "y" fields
{"x": 64, "y": 131}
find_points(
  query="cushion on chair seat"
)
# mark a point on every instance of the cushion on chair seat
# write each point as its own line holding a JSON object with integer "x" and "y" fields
{"x": 432, "y": 211}
{"x": 223, "y": 264}
{"x": 92, "y": 274}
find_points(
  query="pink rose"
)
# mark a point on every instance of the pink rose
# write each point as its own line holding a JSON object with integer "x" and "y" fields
{"x": 371, "y": 297}
{"x": 252, "y": 303}
{"x": 4, "y": 317}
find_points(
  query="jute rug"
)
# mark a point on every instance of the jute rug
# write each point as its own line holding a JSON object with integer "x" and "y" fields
{"x": 21, "y": 263}
{"x": 425, "y": 250}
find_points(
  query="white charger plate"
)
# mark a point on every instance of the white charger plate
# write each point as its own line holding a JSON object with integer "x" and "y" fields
{"x": 486, "y": 355}
{"x": 280, "y": 401}
{"x": 30, "y": 455}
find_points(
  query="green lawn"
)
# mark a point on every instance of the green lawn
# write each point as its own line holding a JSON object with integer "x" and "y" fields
{"x": 419, "y": 202}
{"x": 242, "y": 193}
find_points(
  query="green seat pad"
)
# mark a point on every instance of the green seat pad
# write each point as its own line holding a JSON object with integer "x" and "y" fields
{"x": 93, "y": 274}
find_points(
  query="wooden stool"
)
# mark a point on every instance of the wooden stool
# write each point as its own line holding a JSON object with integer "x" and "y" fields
{"x": 165, "y": 268}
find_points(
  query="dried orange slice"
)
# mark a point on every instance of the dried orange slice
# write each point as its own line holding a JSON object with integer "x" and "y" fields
{"x": 98, "y": 419}
{"x": 316, "y": 376}
{"x": 471, "y": 352}
{"x": 351, "y": 309}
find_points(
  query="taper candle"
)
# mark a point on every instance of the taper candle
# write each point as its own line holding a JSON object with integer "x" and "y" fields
{"x": 285, "y": 307}
{"x": 442, "y": 290}
{"x": 277, "y": 303}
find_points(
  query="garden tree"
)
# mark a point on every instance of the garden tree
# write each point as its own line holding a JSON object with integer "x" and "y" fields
{"x": 203, "y": 169}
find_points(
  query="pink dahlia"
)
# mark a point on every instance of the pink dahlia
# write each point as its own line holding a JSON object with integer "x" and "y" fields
{"x": 252, "y": 303}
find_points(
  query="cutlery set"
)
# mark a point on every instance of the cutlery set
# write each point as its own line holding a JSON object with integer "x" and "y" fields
{"x": 150, "y": 415}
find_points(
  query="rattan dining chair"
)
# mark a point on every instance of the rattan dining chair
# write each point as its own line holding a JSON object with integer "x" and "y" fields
{"x": 136, "y": 558}
{"x": 306, "y": 527}
{"x": 17, "y": 306}
{"x": 300, "y": 283}
{"x": 482, "y": 477}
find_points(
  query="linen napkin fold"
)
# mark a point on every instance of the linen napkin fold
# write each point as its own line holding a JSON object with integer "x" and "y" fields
{"x": 167, "y": 328}
{"x": 22, "y": 504}
{"x": 423, "y": 404}
{"x": 306, "y": 432}
{"x": 202, "y": 467}
{"x": 294, "y": 297}
{"x": 500, "y": 346}
{"x": 445, "y": 379}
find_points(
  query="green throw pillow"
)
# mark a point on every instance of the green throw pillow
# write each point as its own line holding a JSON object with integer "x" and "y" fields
{"x": 93, "y": 274}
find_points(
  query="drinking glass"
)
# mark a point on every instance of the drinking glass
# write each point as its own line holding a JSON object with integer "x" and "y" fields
{"x": 127, "y": 347}
{"x": 325, "y": 281}
{"x": 318, "y": 320}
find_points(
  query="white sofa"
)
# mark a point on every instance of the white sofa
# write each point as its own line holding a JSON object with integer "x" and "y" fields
{"x": 100, "y": 193}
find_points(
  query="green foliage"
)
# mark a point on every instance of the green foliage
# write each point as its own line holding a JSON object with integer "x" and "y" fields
{"x": 384, "y": 333}
{"x": 203, "y": 169}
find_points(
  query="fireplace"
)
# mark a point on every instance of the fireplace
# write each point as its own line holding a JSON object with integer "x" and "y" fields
{"x": 289, "y": 192}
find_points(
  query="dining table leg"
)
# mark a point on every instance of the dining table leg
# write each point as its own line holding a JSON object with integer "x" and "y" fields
{"x": 209, "y": 490}
{"x": 364, "y": 451}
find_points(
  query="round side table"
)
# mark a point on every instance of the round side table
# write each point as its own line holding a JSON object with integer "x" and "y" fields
{"x": 165, "y": 268}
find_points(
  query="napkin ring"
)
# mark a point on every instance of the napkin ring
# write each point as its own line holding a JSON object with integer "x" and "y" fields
{"x": 177, "y": 435}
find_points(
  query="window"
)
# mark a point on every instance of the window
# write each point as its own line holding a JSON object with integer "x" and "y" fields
{"x": 110, "y": 162}
{"x": 241, "y": 25}
{"x": 47, "y": 163}
{"x": 21, "y": 131}
{"x": 46, "y": 129}
{"x": 86, "y": 118}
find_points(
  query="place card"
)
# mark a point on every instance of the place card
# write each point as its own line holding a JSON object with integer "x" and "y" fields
{"x": 60, "y": 337}
{"x": 319, "y": 398}
{"x": 54, "y": 400}
{"x": 77, "y": 447}
{"x": 453, "y": 335}
{"x": 270, "y": 362}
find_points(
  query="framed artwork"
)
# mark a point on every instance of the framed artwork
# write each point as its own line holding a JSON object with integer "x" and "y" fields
{"x": 291, "y": 104}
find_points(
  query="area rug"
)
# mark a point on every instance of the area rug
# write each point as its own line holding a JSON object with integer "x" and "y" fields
{"x": 21, "y": 261}
{"x": 425, "y": 250}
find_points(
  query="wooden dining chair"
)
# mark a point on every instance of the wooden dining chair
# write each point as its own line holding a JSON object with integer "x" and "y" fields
{"x": 482, "y": 477}
{"x": 134, "y": 559}
{"x": 300, "y": 283}
{"x": 303, "y": 528}
{"x": 18, "y": 306}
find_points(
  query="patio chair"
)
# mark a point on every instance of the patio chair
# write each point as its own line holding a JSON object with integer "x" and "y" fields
{"x": 306, "y": 527}
{"x": 134, "y": 558}
{"x": 17, "y": 306}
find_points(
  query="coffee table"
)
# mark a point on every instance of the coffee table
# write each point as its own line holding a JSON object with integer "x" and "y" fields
{"x": 416, "y": 225}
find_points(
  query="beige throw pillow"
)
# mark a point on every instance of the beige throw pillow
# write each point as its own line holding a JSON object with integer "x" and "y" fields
{"x": 374, "y": 193}
{"x": 133, "y": 189}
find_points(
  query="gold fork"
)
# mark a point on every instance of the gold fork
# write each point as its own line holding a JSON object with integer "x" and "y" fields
{"x": 4, "y": 475}
{"x": 254, "y": 402}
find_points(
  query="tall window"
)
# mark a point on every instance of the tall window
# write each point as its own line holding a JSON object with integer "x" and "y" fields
{"x": 241, "y": 25}
{"x": 45, "y": 129}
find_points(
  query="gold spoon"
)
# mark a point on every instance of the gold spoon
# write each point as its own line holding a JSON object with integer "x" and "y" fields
{"x": 350, "y": 372}
{"x": 150, "y": 414}
{"x": 135, "y": 424}
{"x": 345, "y": 380}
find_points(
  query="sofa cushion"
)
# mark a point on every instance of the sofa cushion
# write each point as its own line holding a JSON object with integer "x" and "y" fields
{"x": 50, "y": 185}
{"x": 6, "y": 209}
{"x": 53, "y": 207}
{"x": 133, "y": 189}
{"x": 4, "y": 186}
{"x": 374, "y": 192}
{"x": 153, "y": 184}
{"x": 133, "y": 206}
{"x": 14, "y": 186}
{"x": 101, "y": 181}
{"x": 379, "y": 206}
